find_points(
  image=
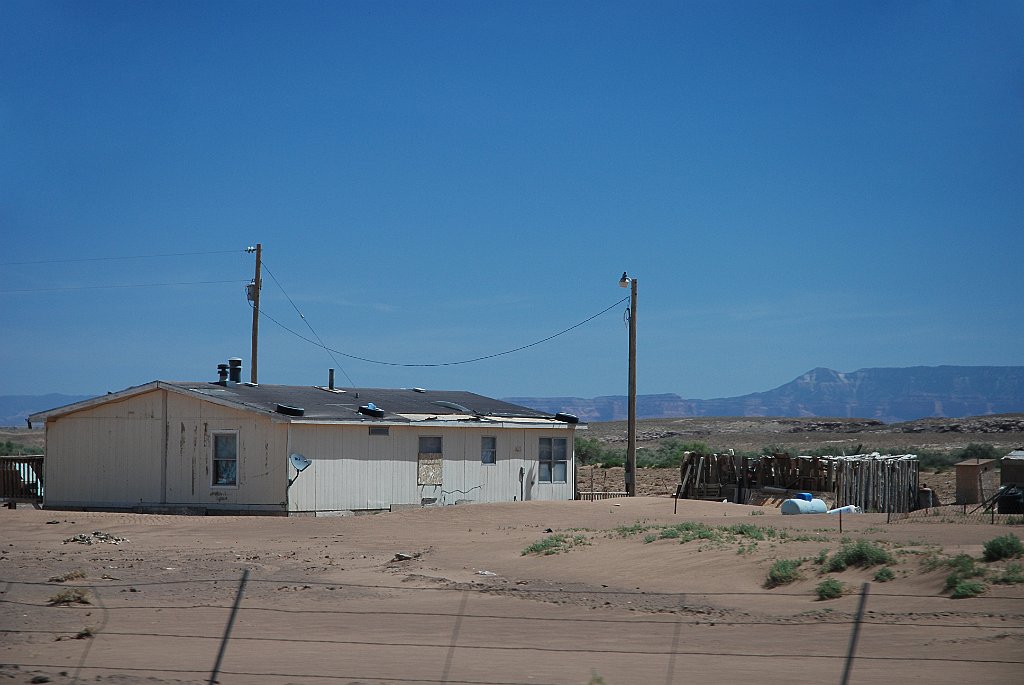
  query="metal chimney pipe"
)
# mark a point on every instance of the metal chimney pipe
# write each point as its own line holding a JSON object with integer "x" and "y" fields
{"x": 222, "y": 374}
{"x": 235, "y": 370}
{"x": 330, "y": 379}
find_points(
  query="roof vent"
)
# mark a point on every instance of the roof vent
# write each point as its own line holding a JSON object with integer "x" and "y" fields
{"x": 289, "y": 410}
{"x": 222, "y": 374}
{"x": 371, "y": 409}
{"x": 419, "y": 389}
{"x": 235, "y": 369}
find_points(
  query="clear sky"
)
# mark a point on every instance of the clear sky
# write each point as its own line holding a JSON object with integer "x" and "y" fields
{"x": 794, "y": 185}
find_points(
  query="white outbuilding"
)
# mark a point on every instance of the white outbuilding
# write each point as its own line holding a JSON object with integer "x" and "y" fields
{"x": 228, "y": 446}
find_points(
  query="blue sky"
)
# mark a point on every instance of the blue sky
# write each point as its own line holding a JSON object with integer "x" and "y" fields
{"x": 794, "y": 184}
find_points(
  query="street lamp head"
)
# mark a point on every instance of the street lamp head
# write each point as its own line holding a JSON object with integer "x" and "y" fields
{"x": 624, "y": 281}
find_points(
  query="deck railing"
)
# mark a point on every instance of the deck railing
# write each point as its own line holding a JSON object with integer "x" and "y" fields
{"x": 21, "y": 478}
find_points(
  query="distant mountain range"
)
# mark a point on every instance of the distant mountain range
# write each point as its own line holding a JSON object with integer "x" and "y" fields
{"x": 889, "y": 395}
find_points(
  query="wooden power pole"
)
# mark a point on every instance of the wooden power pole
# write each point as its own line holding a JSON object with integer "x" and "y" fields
{"x": 257, "y": 284}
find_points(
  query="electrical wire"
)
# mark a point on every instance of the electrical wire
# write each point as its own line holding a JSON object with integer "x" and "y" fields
{"x": 110, "y": 287}
{"x": 442, "y": 364}
{"x": 106, "y": 259}
{"x": 263, "y": 265}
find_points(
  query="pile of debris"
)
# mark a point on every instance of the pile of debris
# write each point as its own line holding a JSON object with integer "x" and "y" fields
{"x": 97, "y": 536}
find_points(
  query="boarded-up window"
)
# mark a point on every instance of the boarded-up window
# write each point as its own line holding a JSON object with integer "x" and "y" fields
{"x": 430, "y": 462}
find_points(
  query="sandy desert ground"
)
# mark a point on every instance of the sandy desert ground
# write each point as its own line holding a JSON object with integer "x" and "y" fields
{"x": 446, "y": 595}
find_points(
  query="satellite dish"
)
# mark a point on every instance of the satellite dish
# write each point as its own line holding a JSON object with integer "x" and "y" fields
{"x": 299, "y": 462}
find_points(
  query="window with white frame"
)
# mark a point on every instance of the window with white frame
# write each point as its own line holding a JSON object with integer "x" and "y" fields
{"x": 225, "y": 459}
{"x": 488, "y": 449}
{"x": 553, "y": 460}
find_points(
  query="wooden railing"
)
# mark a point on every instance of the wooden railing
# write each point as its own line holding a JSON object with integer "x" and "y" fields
{"x": 21, "y": 478}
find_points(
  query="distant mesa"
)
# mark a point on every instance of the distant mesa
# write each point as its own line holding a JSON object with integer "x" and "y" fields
{"x": 886, "y": 394}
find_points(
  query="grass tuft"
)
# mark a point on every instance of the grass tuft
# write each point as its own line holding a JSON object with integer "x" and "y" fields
{"x": 783, "y": 572}
{"x": 830, "y": 588}
{"x": 861, "y": 553}
{"x": 1006, "y": 546}
{"x": 73, "y": 595}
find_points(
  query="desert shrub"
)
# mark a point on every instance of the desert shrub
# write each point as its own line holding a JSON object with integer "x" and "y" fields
{"x": 587, "y": 450}
{"x": 1006, "y": 546}
{"x": 750, "y": 530}
{"x": 861, "y": 553}
{"x": 884, "y": 575}
{"x": 9, "y": 448}
{"x": 650, "y": 537}
{"x": 782, "y": 572}
{"x": 73, "y": 595}
{"x": 64, "y": 577}
{"x": 1013, "y": 574}
{"x": 967, "y": 588}
{"x": 822, "y": 557}
{"x": 669, "y": 454}
{"x": 553, "y": 544}
{"x": 830, "y": 588}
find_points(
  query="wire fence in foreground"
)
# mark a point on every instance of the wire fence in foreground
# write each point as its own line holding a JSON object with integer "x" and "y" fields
{"x": 466, "y": 641}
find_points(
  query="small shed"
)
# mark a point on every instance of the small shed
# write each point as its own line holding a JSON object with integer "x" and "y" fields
{"x": 1011, "y": 468}
{"x": 229, "y": 446}
{"x": 975, "y": 480}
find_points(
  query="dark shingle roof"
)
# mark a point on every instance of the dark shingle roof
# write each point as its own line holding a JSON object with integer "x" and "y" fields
{"x": 398, "y": 405}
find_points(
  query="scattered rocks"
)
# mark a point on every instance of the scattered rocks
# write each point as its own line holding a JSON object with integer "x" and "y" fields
{"x": 97, "y": 536}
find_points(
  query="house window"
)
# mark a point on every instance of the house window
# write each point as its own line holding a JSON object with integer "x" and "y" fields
{"x": 378, "y": 430}
{"x": 488, "y": 449}
{"x": 553, "y": 459}
{"x": 225, "y": 459}
{"x": 430, "y": 462}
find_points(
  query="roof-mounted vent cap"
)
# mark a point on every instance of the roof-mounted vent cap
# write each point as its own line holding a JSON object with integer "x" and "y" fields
{"x": 371, "y": 409}
{"x": 289, "y": 410}
{"x": 235, "y": 369}
{"x": 419, "y": 389}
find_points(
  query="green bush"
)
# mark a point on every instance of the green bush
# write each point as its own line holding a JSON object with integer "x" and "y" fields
{"x": 1013, "y": 574}
{"x": 1006, "y": 546}
{"x": 668, "y": 454}
{"x": 967, "y": 588}
{"x": 884, "y": 575}
{"x": 9, "y": 448}
{"x": 830, "y": 588}
{"x": 783, "y": 572}
{"x": 860, "y": 553}
{"x": 553, "y": 544}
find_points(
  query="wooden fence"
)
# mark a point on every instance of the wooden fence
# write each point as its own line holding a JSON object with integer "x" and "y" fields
{"x": 21, "y": 478}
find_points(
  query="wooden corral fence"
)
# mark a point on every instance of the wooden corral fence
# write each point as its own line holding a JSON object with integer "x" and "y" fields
{"x": 876, "y": 482}
{"x": 21, "y": 479}
{"x": 873, "y": 482}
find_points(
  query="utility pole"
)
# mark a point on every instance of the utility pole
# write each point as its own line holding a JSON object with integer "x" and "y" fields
{"x": 254, "y": 295}
{"x": 631, "y": 416}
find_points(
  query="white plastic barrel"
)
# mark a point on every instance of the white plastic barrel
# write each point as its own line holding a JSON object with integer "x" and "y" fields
{"x": 799, "y": 506}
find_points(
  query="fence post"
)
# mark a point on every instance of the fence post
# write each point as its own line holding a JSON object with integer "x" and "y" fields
{"x": 227, "y": 629}
{"x": 855, "y": 635}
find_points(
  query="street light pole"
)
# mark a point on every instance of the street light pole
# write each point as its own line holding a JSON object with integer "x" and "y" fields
{"x": 631, "y": 409}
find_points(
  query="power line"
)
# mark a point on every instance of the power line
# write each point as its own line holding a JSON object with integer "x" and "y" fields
{"x": 108, "y": 259}
{"x": 111, "y": 287}
{"x": 442, "y": 364}
{"x": 308, "y": 325}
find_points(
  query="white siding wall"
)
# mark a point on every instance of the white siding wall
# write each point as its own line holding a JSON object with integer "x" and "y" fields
{"x": 114, "y": 455}
{"x": 352, "y": 470}
{"x": 262, "y": 455}
{"x": 109, "y": 455}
